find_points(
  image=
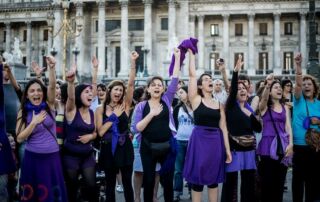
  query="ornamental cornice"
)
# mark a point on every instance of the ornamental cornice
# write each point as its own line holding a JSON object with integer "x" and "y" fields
{"x": 238, "y": 1}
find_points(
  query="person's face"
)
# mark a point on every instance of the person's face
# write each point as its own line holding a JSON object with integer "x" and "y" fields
{"x": 101, "y": 93}
{"x": 35, "y": 94}
{"x": 246, "y": 82}
{"x": 86, "y": 96}
{"x": 276, "y": 91}
{"x": 206, "y": 84}
{"x": 116, "y": 93}
{"x": 183, "y": 96}
{"x": 308, "y": 88}
{"x": 156, "y": 88}
{"x": 218, "y": 86}
{"x": 242, "y": 94}
{"x": 288, "y": 87}
{"x": 58, "y": 92}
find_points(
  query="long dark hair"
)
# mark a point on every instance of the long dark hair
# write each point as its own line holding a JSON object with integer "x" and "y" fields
{"x": 199, "y": 83}
{"x": 108, "y": 93}
{"x": 146, "y": 95}
{"x": 270, "y": 103}
{"x": 24, "y": 100}
{"x": 182, "y": 104}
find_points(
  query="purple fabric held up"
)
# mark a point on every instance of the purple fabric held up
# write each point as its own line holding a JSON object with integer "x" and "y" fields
{"x": 184, "y": 46}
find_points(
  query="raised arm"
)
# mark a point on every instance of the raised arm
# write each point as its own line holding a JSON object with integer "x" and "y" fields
{"x": 52, "y": 81}
{"x": 37, "y": 70}
{"x": 172, "y": 88}
{"x": 132, "y": 76}
{"x": 95, "y": 66}
{"x": 222, "y": 69}
{"x": 176, "y": 69}
{"x": 193, "y": 88}
{"x": 298, "y": 86}
{"x": 13, "y": 81}
{"x": 265, "y": 95}
{"x": 234, "y": 83}
{"x": 71, "y": 101}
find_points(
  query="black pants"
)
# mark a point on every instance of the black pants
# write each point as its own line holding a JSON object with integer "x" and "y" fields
{"x": 111, "y": 174}
{"x": 230, "y": 187}
{"x": 305, "y": 174}
{"x": 149, "y": 166}
{"x": 199, "y": 188}
{"x": 272, "y": 174}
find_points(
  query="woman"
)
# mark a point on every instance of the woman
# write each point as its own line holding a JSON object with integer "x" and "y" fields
{"x": 101, "y": 91}
{"x": 208, "y": 148}
{"x": 183, "y": 118}
{"x": 241, "y": 123}
{"x": 79, "y": 127}
{"x": 287, "y": 87}
{"x": 41, "y": 173}
{"x": 306, "y": 161}
{"x": 7, "y": 165}
{"x": 275, "y": 147}
{"x": 113, "y": 126}
{"x": 153, "y": 119}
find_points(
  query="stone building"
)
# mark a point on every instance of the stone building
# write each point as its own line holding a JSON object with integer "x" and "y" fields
{"x": 268, "y": 33}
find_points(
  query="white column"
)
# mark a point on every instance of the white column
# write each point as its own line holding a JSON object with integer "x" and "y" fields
{"x": 303, "y": 39}
{"x": 79, "y": 43}
{"x": 110, "y": 71}
{"x": 183, "y": 19}
{"x": 225, "y": 53}
{"x": 8, "y": 37}
{"x": 201, "y": 44}
{"x": 172, "y": 41}
{"x": 28, "y": 44}
{"x": 102, "y": 38}
{"x": 148, "y": 33}
{"x": 124, "y": 39}
{"x": 58, "y": 40}
{"x": 251, "y": 50}
{"x": 192, "y": 25}
{"x": 276, "y": 44}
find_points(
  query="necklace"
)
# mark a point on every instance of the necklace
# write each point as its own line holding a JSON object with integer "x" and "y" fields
{"x": 112, "y": 107}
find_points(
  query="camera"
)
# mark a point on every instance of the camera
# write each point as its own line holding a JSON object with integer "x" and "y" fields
{"x": 220, "y": 61}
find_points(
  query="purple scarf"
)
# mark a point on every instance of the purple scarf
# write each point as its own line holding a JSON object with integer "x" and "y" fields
{"x": 37, "y": 109}
{"x": 184, "y": 46}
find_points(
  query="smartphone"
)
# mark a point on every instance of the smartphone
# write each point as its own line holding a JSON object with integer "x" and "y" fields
{"x": 220, "y": 61}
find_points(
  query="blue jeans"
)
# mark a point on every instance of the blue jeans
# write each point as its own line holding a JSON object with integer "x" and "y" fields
{"x": 179, "y": 164}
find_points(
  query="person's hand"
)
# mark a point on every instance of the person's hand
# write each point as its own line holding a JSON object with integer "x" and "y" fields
{"x": 118, "y": 110}
{"x": 84, "y": 139}
{"x": 177, "y": 53}
{"x": 315, "y": 121}
{"x": 270, "y": 79}
{"x": 220, "y": 64}
{"x": 229, "y": 156}
{"x": 298, "y": 59}
{"x": 38, "y": 118}
{"x": 51, "y": 61}
{"x": 289, "y": 150}
{"x": 71, "y": 74}
{"x": 37, "y": 69}
{"x": 95, "y": 62}
{"x": 155, "y": 111}
{"x": 289, "y": 104}
{"x": 239, "y": 63}
{"x": 134, "y": 56}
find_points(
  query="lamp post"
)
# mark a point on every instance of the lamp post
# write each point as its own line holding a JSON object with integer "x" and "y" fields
{"x": 145, "y": 52}
{"x": 53, "y": 51}
{"x": 67, "y": 31}
{"x": 76, "y": 52}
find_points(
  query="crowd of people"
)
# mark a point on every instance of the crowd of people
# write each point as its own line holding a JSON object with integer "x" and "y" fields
{"x": 203, "y": 133}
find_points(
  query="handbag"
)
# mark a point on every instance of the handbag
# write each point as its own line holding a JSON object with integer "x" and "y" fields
{"x": 158, "y": 149}
{"x": 312, "y": 136}
{"x": 245, "y": 140}
{"x": 276, "y": 149}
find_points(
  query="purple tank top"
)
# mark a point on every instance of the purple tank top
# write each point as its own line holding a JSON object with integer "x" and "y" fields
{"x": 268, "y": 132}
{"x": 75, "y": 129}
{"x": 42, "y": 139}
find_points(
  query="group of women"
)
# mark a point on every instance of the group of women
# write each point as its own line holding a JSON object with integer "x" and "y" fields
{"x": 199, "y": 140}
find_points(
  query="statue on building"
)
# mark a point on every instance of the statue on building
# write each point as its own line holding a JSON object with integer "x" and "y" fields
{"x": 16, "y": 55}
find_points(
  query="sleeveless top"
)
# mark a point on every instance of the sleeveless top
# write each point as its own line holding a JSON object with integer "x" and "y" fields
{"x": 268, "y": 132}
{"x": 205, "y": 116}
{"x": 43, "y": 137}
{"x": 74, "y": 130}
{"x": 123, "y": 125}
{"x": 158, "y": 129}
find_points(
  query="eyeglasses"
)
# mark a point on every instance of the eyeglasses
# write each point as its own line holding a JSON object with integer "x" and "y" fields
{"x": 288, "y": 85}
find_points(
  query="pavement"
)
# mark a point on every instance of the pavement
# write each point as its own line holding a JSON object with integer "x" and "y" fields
{"x": 287, "y": 196}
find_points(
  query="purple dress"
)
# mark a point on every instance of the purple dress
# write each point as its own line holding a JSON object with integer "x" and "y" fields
{"x": 205, "y": 157}
{"x": 41, "y": 171}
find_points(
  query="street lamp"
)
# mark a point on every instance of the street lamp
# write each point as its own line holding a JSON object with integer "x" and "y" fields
{"x": 145, "y": 52}
{"x": 76, "y": 52}
{"x": 53, "y": 51}
{"x": 67, "y": 30}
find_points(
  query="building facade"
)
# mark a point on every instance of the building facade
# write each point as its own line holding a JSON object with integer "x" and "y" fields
{"x": 267, "y": 33}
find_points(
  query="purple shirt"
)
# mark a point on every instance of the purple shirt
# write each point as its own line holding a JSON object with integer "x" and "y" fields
{"x": 41, "y": 140}
{"x": 269, "y": 133}
{"x": 167, "y": 98}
